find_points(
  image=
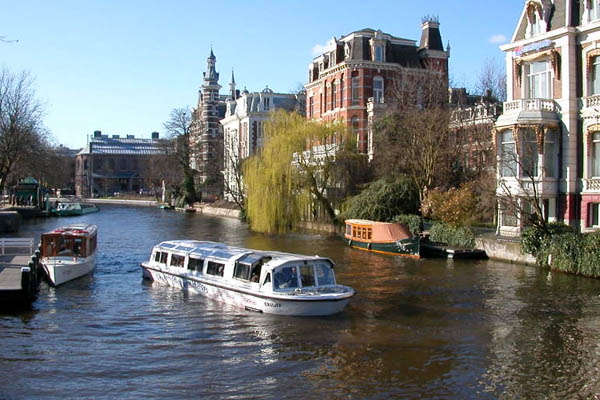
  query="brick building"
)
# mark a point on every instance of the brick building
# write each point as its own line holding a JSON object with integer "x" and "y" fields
{"x": 352, "y": 79}
{"x": 550, "y": 121}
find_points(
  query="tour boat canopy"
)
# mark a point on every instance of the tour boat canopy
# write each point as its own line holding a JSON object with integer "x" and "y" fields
{"x": 381, "y": 232}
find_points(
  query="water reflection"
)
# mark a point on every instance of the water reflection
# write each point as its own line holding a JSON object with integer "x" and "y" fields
{"x": 416, "y": 328}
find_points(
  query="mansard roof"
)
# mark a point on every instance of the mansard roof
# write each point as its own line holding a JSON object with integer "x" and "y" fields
{"x": 132, "y": 146}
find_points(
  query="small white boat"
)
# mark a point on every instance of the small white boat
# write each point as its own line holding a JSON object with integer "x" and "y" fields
{"x": 262, "y": 281}
{"x": 69, "y": 252}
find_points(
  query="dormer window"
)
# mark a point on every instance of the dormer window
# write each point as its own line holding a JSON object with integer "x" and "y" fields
{"x": 537, "y": 17}
{"x": 379, "y": 53}
{"x": 332, "y": 59}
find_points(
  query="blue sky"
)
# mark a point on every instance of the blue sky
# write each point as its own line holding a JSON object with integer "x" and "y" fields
{"x": 122, "y": 66}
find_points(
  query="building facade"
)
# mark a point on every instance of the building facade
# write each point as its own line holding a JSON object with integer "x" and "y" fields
{"x": 353, "y": 79}
{"x": 109, "y": 165}
{"x": 206, "y": 132}
{"x": 244, "y": 127}
{"x": 548, "y": 137}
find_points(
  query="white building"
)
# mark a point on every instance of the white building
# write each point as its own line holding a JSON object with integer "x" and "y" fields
{"x": 244, "y": 126}
{"x": 551, "y": 121}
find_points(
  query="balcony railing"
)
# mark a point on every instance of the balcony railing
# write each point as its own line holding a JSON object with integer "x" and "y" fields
{"x": 592, "y": 185}
{"x": 591, "y": 101}
{"x": 548, "y": 105}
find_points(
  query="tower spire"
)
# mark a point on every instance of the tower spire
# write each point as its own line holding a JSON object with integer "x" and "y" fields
{"x": 232, "y": 91}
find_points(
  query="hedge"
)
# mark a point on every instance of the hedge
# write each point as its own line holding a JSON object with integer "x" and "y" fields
{"x": 452, "y": 235}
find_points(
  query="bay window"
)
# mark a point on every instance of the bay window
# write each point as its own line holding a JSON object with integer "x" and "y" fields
{"x": 508, "y": 163}
{"x": 530, "y": 154}
{"x": 595, "y": 76}
{"x": 550, "y": 154}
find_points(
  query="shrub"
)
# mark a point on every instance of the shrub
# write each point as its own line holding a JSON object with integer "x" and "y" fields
{"x": 454, "y": 206}
{"x": 535, "y": 237}
{"x": 452, "y": 235}
{"x": 382, "y": 200}
{"x": 414, "y": 222}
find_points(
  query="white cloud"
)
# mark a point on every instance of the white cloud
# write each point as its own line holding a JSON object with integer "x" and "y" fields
{"x": 319, "y": 49}
{"x": 498, "y": 39}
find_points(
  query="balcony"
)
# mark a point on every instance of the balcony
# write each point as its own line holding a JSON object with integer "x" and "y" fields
{"x": 529, "y": 111}
{"x": 376, "y": 107}
{"x": 590, "y": 108}
{"x": 591, "y": 185}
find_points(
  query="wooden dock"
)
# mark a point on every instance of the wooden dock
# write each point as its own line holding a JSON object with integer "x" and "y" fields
{"x": 437, "y": 250}
{"x": 19, "y": 272}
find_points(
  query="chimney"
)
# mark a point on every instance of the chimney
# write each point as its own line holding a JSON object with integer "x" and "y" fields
{"x": 97, "y": 134}
{"x": 431, "y": 38}
{"x": 154, "y": 135}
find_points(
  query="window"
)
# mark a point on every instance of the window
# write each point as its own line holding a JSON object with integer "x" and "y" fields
{"x": 593, "y": 9}
{"x": 333, "y": 95}
{"x": 594, "y": 212}
{"x": 379, "y": 53}
{"x": 286, "y": 278}
{"x": 595, "y": 76}
{"x": 177, "y": 260}
{"x": 241, "y": 271}
{"x": 195, "y": 264}
{"x": 161, "y": 257}
{"x": 266, "y": 103}
{"x": 539, "y": 80}
{"x": 355, "y": 82}
{"x": 354, "y": 125}
{"x": 307, "y": 275}
{"x": 215, "y": 268}
{"x": 550, "y": 156}
{"x": 596, "y": 155}
{"x": 324, "y": 274}
{"x": 509, "y": 216}
{"x": 508, "y": 163}
{"x": 342, "y": 92}
{"x": 536, "y": 26}
{"x": 530, "y": 154}
{"x": 378, "y": 89}
{"x": 325, "y": 98}
{"x": 311, "y": 106}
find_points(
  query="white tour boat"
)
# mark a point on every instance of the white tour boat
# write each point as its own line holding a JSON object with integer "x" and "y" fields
{"x": 262, "y": 281}
{"x": 69, "y": 252}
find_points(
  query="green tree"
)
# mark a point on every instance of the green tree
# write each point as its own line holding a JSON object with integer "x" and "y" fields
{"x": 294, "y": 174}
{"x": 383, "y": 200}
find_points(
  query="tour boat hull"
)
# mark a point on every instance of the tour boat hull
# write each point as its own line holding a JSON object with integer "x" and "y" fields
{"x": 406, "y": 247}
{"x": 296, "y": 305}
{"x": 63, "y": 269}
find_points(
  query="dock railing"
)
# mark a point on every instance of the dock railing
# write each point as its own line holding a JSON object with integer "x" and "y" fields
{"x": 16, "y": 246}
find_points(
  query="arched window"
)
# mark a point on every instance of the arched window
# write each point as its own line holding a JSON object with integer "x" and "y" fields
{"x": 378, "y": 89}
{"x": 508, "y": 163}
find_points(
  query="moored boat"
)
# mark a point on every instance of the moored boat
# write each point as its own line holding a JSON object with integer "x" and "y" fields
{"x": 65, "y": 209}
{"x": 69, "y": 252}
{"x": 382, "y": 237}
{"x": 263, "y": 281}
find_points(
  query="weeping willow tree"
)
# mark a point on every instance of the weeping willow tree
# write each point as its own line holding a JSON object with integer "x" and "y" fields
{"x": 294, "y": 172}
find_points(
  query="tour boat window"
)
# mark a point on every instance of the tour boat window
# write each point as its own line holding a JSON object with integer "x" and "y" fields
{"x": 286, "y": 278}
{"x": 78, "y": 248}
{"x": 214, "y": 268}
{"x": 348, "y": 229}
{"x": 163, "y": 257}
{"x": 255, "y": 275}
{"x": 157, "y": 256}
{"x": 324, "y": 274}
{"x": 241, "y": 271}
{"x": 177, "y": 260}
{"x": 65, "y": 246}
{"x": 195, "y": 264}
{"x": 369, "y": 233}
{"x": 354, "y": 231}
{"x": 307, "y": 275}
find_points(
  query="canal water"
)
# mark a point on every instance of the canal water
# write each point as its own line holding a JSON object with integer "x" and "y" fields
{"x": 436, "y": 329}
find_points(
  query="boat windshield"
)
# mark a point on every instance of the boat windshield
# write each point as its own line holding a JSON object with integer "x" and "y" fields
{"x": 304, "y": 275}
